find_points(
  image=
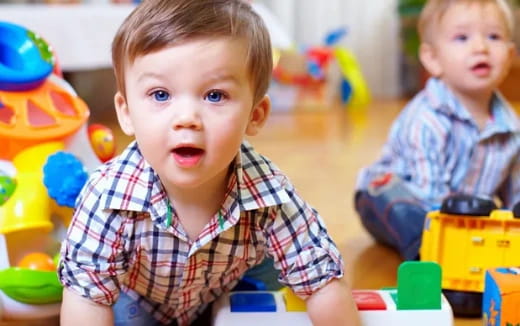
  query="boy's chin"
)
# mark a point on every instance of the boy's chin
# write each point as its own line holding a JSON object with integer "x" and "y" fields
{"x": 474, "y": 88}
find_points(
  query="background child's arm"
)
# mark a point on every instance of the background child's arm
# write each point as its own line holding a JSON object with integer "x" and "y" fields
{"x": 333, "y": 305}
{"x": 509, "y": 191}
{"x": 78, "y": 311}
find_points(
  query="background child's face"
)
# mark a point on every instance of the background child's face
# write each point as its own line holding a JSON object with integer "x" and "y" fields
{"x": 189, "y": 107}
{"x": 472, "y": 48}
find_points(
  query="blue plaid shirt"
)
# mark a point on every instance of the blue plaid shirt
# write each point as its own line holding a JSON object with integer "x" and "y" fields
{"x": 437, "y": 148}
{"x": 120, "y": 238}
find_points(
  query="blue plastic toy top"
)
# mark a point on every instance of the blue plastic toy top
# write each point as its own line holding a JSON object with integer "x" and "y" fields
{"x": 25, "y": 59}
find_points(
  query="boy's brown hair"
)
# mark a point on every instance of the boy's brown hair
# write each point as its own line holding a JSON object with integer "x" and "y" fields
{"x": 434, "y": 10}
{"x": 158, "y": 24}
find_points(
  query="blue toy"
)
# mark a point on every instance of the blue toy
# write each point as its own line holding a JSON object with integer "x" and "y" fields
{"x": 64, "y": 188}
{"x": 25, "y": 59}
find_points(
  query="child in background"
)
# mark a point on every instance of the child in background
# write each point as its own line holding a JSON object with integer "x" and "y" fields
{"x": 173, "y": 222}
{"x": 458, "y": 135}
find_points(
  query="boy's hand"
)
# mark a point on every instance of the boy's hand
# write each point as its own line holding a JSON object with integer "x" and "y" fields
{"x": 333, "y": 305}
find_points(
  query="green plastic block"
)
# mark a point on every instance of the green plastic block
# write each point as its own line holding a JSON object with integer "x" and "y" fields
{"x": 419, "y": 286}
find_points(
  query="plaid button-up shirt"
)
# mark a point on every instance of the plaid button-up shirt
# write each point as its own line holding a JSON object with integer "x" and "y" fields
{"x": 119, "y": 238}
{"x": 437, "y": 148}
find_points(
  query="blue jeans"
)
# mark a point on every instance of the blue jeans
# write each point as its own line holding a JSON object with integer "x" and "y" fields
{"x": 127, "y": 311}
{"x": 393, "y": 216}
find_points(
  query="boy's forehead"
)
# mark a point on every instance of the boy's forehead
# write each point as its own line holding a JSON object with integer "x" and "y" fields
{"x": 220, "y": 59}
{"x": 204, "y": 43}
{"x": 459, "y": 13}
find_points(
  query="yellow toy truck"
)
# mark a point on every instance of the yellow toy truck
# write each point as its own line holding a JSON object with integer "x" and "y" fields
{"x": 467, "y": 236}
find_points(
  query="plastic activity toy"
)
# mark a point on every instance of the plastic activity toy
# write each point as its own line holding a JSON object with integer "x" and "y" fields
{"x": 416, "y": 300}
{"x": 468, "y": 236}
{"x": 45, "y": 158}
{"x": 25, "y": 69}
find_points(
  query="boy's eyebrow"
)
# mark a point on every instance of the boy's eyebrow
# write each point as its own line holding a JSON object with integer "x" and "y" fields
{"x": 496, "y": 26}
{"x": 461, "y": 26}
{"x": 149, "y": 74}
{"x": 213, "y": 78}
{"x": 223, "y": 77}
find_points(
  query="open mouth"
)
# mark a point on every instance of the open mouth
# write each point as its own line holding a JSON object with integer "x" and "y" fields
{"x": 188, "y": 151}
{"x": 187, "y": 156}
{"x": 481, "y": 69}
{"x": 481, "y": 66}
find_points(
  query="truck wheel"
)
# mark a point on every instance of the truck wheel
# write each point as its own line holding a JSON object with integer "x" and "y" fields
{"x": 463, "y": 303}
{"x": 516, "y": 210}
{"x": 461, "y": 204}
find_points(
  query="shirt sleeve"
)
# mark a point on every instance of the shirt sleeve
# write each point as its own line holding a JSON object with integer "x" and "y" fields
{"x": 416, "y": 153}
{"x": 424, "y": 155}
{"x": 92, "y": 257}
{"x": 510, "y": 190}
{"x": 301, "y": 247}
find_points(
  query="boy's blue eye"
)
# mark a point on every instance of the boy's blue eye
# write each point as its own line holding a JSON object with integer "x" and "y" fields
{"x": 214, "y": 96}
{"x": 161, "y": 96}
{"x": 461, "y": 38}
{"x": 494, "y": 36}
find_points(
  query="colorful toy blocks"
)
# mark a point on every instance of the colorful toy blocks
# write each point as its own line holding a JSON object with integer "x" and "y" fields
{"x": 416, "y": 300}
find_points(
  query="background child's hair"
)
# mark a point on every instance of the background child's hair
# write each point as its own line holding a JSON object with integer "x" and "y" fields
{"x": 157, "y": 24}
{"x": 433, "y": 11}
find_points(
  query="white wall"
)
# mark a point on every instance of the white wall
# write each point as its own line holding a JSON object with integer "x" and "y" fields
{"x": 373, "y": 33}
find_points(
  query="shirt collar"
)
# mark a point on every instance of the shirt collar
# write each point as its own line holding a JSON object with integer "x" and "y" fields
{"x": 442, "y": 99}
{"x": 135, "y": 186}
{"x": 131, "y": 182}
{"x": 504, "y": 117}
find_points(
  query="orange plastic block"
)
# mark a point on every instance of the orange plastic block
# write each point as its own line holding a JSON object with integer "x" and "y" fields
{"x": 501, "y": 301}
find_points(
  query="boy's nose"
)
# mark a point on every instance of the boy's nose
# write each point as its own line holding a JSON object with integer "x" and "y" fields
{"x": 480, "y": 44}
{"x": 187, "y": 116}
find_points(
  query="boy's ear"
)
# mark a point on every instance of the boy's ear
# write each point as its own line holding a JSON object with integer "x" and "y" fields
{"x": 429, "y": 59}
{"x": 258, "y": 116}
{"x": 123, "y": 115}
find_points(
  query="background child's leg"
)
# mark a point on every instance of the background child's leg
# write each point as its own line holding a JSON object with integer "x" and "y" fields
{"x": 393, "y": 216}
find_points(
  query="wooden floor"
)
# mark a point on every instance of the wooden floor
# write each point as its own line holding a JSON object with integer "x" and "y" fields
{"x": 322, "y": 151}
